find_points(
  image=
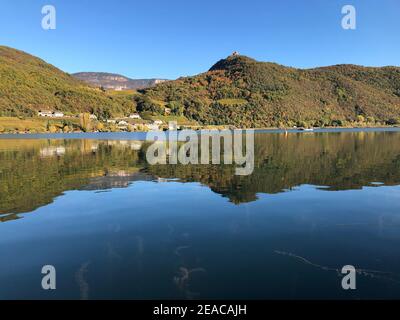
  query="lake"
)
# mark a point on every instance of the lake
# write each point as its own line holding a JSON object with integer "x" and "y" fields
{"x": 115, "y": 227}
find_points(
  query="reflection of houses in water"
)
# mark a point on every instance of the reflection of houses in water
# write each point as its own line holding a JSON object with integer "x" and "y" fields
{"x": 119, "y": 179}
{"x": 94, "y": 147}
{"x": 136, "y": 145}
{"x": 52, "y": 151}
{"x": 132, "y": 144}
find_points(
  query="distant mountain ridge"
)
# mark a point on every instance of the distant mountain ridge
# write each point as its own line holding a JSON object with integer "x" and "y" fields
{"x": 112, "y": 81}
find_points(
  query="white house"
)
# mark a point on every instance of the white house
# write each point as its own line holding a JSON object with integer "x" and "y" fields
{"x": 111, "y": 121}
{"x": 152, "y": 127}
{"x": 45, "y": 114}
{"x": 158, "y": 122}
{"x": 135, "y": 116}
{"x": 122, "y": 123}
{"x": 58, "y": 114}
{"x": 173, "y": 126}
{"x": 93, "y": 117}
{"x": 50, "y": 114}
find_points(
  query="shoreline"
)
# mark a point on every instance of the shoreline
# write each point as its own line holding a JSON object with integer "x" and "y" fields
{"x": 140, "y": 135}
{"x": 37, "y": 126}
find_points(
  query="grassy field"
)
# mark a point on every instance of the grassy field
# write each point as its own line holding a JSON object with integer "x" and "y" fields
{"x": 122, "y": 93}
{"x": 33, "y": 125}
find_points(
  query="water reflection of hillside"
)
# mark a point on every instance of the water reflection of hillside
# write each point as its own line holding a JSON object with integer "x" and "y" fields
{"x": 339, "y": 161}
{"x": 34, "y": 172}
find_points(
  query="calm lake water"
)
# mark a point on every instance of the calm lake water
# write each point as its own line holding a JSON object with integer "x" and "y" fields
{"x": 116, "y": 228}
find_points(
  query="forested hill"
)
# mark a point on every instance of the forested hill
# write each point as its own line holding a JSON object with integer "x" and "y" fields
{"x": 28, "y": 84}
{"x": 243, "y": 92}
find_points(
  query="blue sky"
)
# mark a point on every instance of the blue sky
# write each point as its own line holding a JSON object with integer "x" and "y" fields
{"x": 172, "y": 38}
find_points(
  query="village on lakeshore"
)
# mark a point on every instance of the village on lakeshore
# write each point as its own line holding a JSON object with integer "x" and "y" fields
{"x": 55, "y": 121}
{"x": 131, "y": 122}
